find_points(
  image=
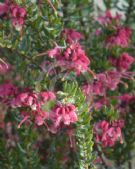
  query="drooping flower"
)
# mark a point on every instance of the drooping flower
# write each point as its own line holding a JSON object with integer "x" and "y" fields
{"x": 7, "y": 90}
{"x": 126, "y": 103}
{"x": 113, "y": 79}
{"x": 107, "y": 18}
{"x": 46, "y": 96}
{"x": 119, "y": 122}
{"x": 119, "y": 38}
{"x": 108, "y": 133}
{"x": 125, "y": 61}
{"x": 72, "y": 58}
{"x": 4, "y": 9}
{"x": 18, "y": 15}
{"x": 56, "y": 52}
{"x": 76, "y": 58}
{"x": 26, "y": 99}
{"x": 99, "y": 103}
{"x": 122, "y": 63}
{"x": 32, "y": 102}
{"x": 99, "y": 84}
{"x": 87, "y": 89}
{"x": 38, "y": 117}
{"x": 63, "y": 114}
{"x": 104, "y": 81}
{"x": 70, "y": 35}
{"x": 125, "y": 99}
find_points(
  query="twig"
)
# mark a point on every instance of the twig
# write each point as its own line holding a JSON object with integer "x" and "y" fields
{"x": 50, "y": 3}
{"x": 30, "y": 59}
{"x": 41, "y": 54}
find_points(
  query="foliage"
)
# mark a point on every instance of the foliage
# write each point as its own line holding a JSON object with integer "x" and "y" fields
{"x": 66, "y": 84}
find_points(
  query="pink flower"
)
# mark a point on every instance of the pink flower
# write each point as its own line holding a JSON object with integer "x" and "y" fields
{"x": 71, "y": 35}
{"x": 108, "y": 133}
{"x": 125, "y": 99}
{"x": 18, "y": 12}
{"x": 32, "y": 104}
{"x": 100, "y": 103}
{"x": 54, "y": 52}
{"x": 125, "y": 61}
{"x": 120, "y": 123}
{"x": 4, "y": 9}
{"x": 40, "y": 118}
{"x": 120, "y": 38}
{"x": 18, "y": 16}
{"x": 25, "y": 99}
{"x": 18, "y": 23}
{"x": 99, "y": 84}
{"x": 104, "y": 81}
{"x": 63, "y": 115}
{"x": 46, "y": 96}
{"x": 122, "y": 63}
{"x": 113, "y": 79}
{"x": 98, "y": 32}
{"x": 72, "y": 58}
{"x": 7, "y": 90}
{"x": 87, "y": 89}
{"x": 23, "y": 120}
{"x": 107, "y": 18}
{"x": 98, "y": 160}
{"x": 76, "y": 58}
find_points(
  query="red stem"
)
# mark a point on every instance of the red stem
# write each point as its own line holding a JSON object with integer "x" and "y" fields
{"x": 50, "y": 3}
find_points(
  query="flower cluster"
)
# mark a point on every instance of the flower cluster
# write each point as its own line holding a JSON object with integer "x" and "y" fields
{"x": 108, "y": 80}
{"x": 108, "y": 18}
{"x": 16, "y": 13}
{"x": 63, "y": 114}
{"x": 122, "y": 63}
{"x": 126, "y": 103}
{"x": 31, "y": 106}
{"x": 118, "y": 35}
{"x": 34, "y": 102}
{"x": 64, "y": 109}
{"x": 73, "y": 57}
{"x": 7, "y": 90}
{"x": 70, "y": 35}
{"x": 108, "y": 133}
{"x": 3, "y": 10}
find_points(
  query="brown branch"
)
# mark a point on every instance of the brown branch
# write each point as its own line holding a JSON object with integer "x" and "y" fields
{"x": 51, "y": 5}
{"x": 29, "y": 59}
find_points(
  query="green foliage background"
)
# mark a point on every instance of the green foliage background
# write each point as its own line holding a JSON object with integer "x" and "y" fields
{"x": 42, "y": 30}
